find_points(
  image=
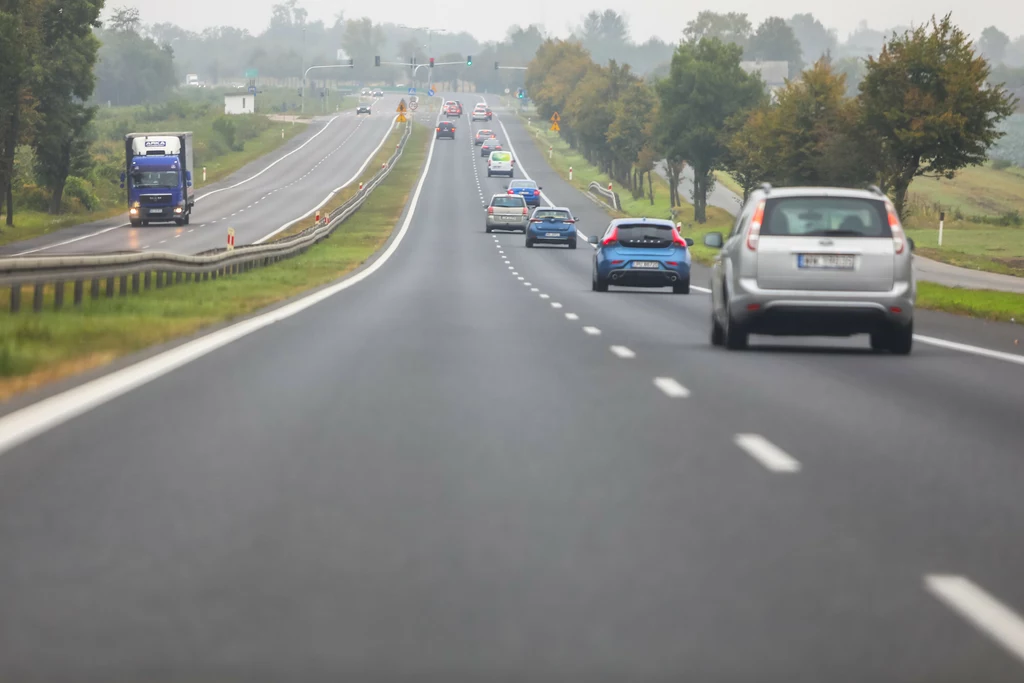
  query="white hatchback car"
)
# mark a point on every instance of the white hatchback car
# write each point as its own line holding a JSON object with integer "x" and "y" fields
{"x": 501, "y": 163}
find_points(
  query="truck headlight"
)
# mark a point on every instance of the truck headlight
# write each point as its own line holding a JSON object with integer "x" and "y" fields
{"x": 177, "y": 209}
{"x": 133, "y": 211}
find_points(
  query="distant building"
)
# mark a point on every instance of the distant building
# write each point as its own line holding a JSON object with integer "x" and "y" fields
{"x": 774, "y": 74}
{"x": 240, "y": 104}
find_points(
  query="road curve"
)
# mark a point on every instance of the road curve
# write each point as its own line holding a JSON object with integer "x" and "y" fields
{"x": 468, "y": 466}
{"x": 258, "y": 199}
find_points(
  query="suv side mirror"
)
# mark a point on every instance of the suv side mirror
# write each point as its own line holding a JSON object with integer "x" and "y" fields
{"x": 592, "y": 239}
{"x": 713, "y": 240}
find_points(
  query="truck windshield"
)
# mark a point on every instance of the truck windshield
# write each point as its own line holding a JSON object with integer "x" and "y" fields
{"x": 155, "y": 179}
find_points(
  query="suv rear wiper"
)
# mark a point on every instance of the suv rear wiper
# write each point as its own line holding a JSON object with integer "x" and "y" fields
{"x": 835, "y": 233}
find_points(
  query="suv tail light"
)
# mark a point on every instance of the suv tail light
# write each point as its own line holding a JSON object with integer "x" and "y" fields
{"x": 677, "y": 239}
{"x": 490, "y": 210}
{"x": 754, "y": 233}
{"x": 511, "y": 192}
{"x": 612, "y": 237}
{"x": 899, "y": 242}
{"x": 524, "y": 210}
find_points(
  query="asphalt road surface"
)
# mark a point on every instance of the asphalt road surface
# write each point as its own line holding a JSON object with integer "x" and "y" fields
{"x": 257, "y": 200}
{"x": 464, "y": 465}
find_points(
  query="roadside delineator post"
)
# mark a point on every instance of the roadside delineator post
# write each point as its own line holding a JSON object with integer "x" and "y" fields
{"x": 551, "y": 150}
{"x": 942, "y": 220}
{"x": 609, "y": 187}
{"x": 282, "y": 133}
{"x": 204, "y": 174}
{"x": 231, "y": 239}
{"x": 318, "y": 216}
{"x": 360, "y": 186}
{"x": 570, "y": 173}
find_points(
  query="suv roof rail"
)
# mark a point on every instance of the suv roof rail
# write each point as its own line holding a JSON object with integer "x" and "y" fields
{"x": 875, "y": 189}
{"x": 766, "y": 188}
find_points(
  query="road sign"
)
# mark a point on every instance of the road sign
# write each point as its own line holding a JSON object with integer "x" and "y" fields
{"x": 555, "y": 118}
{"x": 412, "y": 91}
{"x": 252, "y": 73}
{"x": 402, "y": 108}
{"x": 401, "y": 118}
{"x": 430, "y": 92}
{"x": 507, "y": 91}
{"x": 414, "y": 105}
{"x": 554, "y": 126}
{"x": 252, "y": 89}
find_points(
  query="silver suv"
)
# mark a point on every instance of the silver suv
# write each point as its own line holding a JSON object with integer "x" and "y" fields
{"x": 814, "y": 261}
{"x": 507, "y": 212}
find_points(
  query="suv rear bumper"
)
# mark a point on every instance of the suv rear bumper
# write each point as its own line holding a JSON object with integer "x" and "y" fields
{"x": 642, "y": 277}
{"x": 797, "y": 312}
{"x": 520, "y": 223}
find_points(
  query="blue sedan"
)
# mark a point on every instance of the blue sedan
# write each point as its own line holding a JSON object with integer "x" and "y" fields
{"x": 527, "y": 189}
{"x": 642, "y": 252}
{"x": 551, "y": 225}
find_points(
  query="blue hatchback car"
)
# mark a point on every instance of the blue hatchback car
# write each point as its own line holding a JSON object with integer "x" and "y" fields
{"x": 642, "y": 252}
{"x": 527, "y": 189}
{"x": 551, "y": 225}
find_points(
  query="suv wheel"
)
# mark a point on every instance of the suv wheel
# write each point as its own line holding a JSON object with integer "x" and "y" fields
{"x": 736, "y": 337}
{"x": 717, "y": 333}
{"x": 898, "y": 340}
{"x": 597, "y": 284}
{"x": 681, "y": 287}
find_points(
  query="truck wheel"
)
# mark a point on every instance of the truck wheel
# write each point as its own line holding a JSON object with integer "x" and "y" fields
{"x": 179, "y": 221}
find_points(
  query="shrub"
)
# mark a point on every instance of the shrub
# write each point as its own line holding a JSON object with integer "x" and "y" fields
{"x": 225, "y": 128}
{"x": 32, "y": 197}
{"x": 81, "y": 189}
{"x": 1001, "y": 164}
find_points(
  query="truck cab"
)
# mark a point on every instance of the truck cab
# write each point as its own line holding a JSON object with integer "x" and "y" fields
{"x": 159, "y": 177}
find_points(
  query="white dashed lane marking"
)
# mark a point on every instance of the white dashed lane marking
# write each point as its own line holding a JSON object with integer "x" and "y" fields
{"x": 592, "y": 331}
{"x": 768, "y": 454}
{"x": 982, "y": 610}
{"x": 571, "y": 316}
{"x": 623, "y": 352}
{"x": 671, "y": 388}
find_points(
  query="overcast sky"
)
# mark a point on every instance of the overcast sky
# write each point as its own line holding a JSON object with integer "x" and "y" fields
{"x": 662, "y": 18}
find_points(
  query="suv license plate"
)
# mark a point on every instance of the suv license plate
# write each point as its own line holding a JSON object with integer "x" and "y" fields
{"x": 645, "y": 264}
{"x": 826, "y": 261}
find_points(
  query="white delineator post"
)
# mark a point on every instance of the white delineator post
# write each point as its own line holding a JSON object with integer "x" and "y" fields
{"x": 942, "y": 220}
{"x": 282, "y": 133}
{"x": 570, "y": 173}
{"x": 231, "y": 239}
{"x": 609, "y": 187}
{"x": 551, "y": 150}
{"x": 317, "y": 217}
{"x": 204, "y": 174}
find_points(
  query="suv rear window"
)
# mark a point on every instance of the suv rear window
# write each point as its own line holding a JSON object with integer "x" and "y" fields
{"x": 514, "y": 201}
{"x": 446, "y": 126}
{"x": 825, "y": 217}
{"x": 643, "y": 235}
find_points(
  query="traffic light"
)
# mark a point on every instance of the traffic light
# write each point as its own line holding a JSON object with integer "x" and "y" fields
{"x": 376, "y": 60}
{"x": 469, "y": 60}
{"x": 431, "y": 62}
{"x": 495, "y": 66}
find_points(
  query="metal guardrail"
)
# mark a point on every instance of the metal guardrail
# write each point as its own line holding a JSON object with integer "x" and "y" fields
{"x": 609, "y": 196}
{"x": 157, "y": 270}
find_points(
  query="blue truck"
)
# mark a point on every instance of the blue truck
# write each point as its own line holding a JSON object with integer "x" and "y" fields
{"x": 158, "y": 175}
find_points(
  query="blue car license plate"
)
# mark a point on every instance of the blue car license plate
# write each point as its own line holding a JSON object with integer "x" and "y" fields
{"x": 552, "y": 234}
{"x": 645, "y": 264}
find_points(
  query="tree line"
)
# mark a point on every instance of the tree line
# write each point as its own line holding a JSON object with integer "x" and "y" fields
{"x": 47, "y": 54}
{"x": 926, "y": 106}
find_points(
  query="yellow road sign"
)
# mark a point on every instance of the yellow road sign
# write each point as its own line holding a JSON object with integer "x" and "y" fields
{"x": 554, "y": 126}
{"x": 401, "y": 118}
{"x": 555, "y": 118}
{"x": 401, "y": 107}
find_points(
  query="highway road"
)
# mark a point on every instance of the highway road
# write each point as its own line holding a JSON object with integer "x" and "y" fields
{"x": 463, "y": 465}
{"x": 259, "y": 199}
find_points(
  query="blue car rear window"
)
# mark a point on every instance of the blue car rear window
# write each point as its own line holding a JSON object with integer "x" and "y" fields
{"x": 557, "y": 215}
{"x": 659, "y": 236}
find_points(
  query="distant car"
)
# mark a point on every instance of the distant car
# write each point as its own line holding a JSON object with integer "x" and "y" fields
{"x": 445, "y": 129}
{"x": 642, "y": 252}
{"x": 378, "y": 93}
{"x": 459, "y": 105}
{"x": 453, "y": 109}
{"x": 366, "y": 93}
{"x": 505, "y": 212}
{"x": 527, "y": 189}
{"x": 814, "y": 261}
{"x": 551, "y": 225}
{"x": 363, "y": 109}
{"x": 490, "y": 145}
{"x": 501, "y": 163}
{"x": 482, "y": 136}
{"x": 481, "y": 114}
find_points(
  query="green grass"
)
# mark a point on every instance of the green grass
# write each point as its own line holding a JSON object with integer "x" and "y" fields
{"x": 728, "y": 182}
{"x": 38, "y": 348}
{"x": 976, "y": 190}
{"x": 1004, "y": 306}
{"x": 563, "y": 156}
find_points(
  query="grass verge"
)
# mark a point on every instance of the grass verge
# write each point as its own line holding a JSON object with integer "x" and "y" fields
{"x": 1004, "y": 306}
{"x": 40, "y": 348}
{"x": 563, "y": 156}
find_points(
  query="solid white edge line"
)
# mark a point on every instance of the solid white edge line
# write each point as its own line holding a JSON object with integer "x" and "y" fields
{"x": 23, "y": 425}
{"x": 967, "y": 348}
{"x": 982, "y": 610}
{"x": 213, "y": 192}
{"x": 765, "y": 452}
{"x": 623, "y": 351}
{"x": 335, "y": 190}
{"x": 671, "y": 387}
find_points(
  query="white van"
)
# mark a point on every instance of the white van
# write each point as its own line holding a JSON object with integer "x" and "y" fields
{"x": 500, "y": 163}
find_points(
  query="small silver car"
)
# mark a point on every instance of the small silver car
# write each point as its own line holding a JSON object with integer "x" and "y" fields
{"x": 507, "y": 212}
{"x": 814, "y": 261}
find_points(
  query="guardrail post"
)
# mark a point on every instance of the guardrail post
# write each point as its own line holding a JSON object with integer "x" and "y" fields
{"x": 206, "y": 275}
{"x": 15, "y": 298}
{"x": 79, "y": 292}
{"x": 177, "y": 277}
{"x": 159, "y": 279}
{"x": 58, "y": 296}
{"x": 110, "y": 287}
{"x": 135, "y": 283}
{"x": 123, "y": 286}
{"x": 94, "y": 288}
{"x": 37, "y": 298}
{"x": 147, "y": 280}
{"x": 213, "y": 274}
